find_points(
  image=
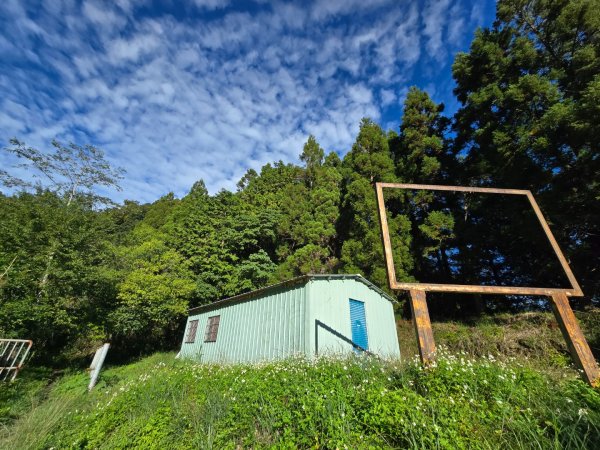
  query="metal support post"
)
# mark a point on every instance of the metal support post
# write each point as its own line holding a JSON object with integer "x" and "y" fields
{"x": 422, "y": 323}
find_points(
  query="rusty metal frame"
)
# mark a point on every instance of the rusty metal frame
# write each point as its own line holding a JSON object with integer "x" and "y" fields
{"x": 575, "y": 290}
{"x": 578, "y": 346}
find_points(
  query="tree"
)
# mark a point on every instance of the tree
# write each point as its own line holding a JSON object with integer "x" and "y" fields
{"x": 67, "y": 171}
{"x": 312, "y": 156}
{"x": 66, "y": 317}
{"x": 529, "y": 118}
{"x": 55, "y": 245}
{"x": 71, "y": 173}
{"x": 224, "y": 240}
{"x": 370, "y": 161}
{"x": 420, "y": 155}
{"x": 154, "y": 294}
{"x": 306, "y": 231}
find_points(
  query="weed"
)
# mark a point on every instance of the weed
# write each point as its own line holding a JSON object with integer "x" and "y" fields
{"x": 462, "y": 402}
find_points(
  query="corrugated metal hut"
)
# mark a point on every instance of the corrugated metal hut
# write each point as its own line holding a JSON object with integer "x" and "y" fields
{"x": 313, "y": 314}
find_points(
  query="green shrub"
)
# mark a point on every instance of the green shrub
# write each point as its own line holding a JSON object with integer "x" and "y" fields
{"x": 355, "y": 402}
{"x": 25, "y": 391}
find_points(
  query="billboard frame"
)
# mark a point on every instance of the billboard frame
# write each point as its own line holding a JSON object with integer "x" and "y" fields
{"x": 578, "y": 346}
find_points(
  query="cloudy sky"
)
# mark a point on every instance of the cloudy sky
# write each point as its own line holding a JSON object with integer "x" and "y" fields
{"x": 179, "y": 91}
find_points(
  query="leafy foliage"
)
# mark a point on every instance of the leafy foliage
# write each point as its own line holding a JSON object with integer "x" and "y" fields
{"x": 370, "y": 161}
{"x": 529, "y": 90}
{"x": 308, "y": 218}
{"x": 67, "y": 170}
{"x": 153, "y": 295}
{"x": 526, "y": 117}
{"x": 330, "y": 403}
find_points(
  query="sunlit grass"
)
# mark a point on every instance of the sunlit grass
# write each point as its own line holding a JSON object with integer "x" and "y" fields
{"x": 355, "y": 402}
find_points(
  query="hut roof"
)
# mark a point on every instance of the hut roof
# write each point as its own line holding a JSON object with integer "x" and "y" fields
{"x": 253, "y": 295}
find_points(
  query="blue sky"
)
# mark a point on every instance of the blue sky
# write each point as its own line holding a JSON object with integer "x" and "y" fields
{"x": 177, "y": 91}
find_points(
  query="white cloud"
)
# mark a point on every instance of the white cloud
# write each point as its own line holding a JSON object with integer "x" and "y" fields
{"x": 211, "y": 4}
{"x": 388, "y": 96}
{"x": 456, "y": 25}
{"x": 477, "y": 14}
{"x": 435, "y": 16}
{"x": 101, "y": 15}
{"x": 130, "y": 50}
{"x": 323, "y": 10}
{"x": 173, "y": 102}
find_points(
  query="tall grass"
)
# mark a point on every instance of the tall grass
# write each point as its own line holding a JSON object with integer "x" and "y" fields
{"x": 462, "y": 402}
{"x": 532, "y": 335}
{"x": 39, "y": 422}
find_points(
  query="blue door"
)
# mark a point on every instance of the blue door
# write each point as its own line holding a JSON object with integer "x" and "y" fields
{"x": 358, "y": 323}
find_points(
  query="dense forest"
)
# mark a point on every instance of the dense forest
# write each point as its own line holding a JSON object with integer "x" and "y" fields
{"x": 76, "y": 270}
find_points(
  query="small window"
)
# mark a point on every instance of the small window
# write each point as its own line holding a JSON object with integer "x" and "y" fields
{"x": 191, "y": 335}
{"x": 212, "y": 327}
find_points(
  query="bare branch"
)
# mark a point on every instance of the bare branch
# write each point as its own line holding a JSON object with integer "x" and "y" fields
{"x": 70, "y": 170}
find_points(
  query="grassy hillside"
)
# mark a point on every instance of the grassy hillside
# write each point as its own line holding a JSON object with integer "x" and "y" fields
{"x": 491, "y": 401}
{"x": 534, "y": 336}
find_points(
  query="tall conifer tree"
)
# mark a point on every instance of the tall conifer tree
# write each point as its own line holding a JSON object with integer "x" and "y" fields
{"x": 370, "y": 161}
{"x": 529, "y": 88}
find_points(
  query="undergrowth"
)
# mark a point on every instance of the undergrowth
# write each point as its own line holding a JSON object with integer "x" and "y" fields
{"x": 535, "y": 336}
{"x": 462, "y": 402}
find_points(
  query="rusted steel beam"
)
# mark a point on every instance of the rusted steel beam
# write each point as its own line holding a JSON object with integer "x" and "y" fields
{"x": 580, "y": 351}
{"x": 385, "y": 235}
{"x": 475, "y": 289}
{"x": 422, "y": 323}
{"x": 437, "y": 187}
{"x": 575, "y": 289}
{"x": 578, "y": 346}
{"x": 559, "y": 254}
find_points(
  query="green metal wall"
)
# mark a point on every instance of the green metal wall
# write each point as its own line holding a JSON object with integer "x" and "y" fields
{"x": 329, "y": 303}
{"x": 271, "y": 326}
{"x": 282, "y": 322}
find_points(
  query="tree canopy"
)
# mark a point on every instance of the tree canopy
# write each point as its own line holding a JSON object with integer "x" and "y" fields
{"x": 73, "y": 274}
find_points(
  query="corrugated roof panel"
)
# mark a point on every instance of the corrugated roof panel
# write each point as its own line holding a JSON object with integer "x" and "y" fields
{"x": 258, "y": 293}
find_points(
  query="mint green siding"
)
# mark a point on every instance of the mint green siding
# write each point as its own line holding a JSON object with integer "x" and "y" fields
{"x": 329, "y": 303}
{"x": 267, "y": 327}
{"x": 280, "y": 321}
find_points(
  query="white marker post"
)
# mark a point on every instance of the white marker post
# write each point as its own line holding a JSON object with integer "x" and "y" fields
{"x": 97, "y": 365}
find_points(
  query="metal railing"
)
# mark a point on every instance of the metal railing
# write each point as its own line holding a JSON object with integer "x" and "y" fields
{"x": 12, "y": 356}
